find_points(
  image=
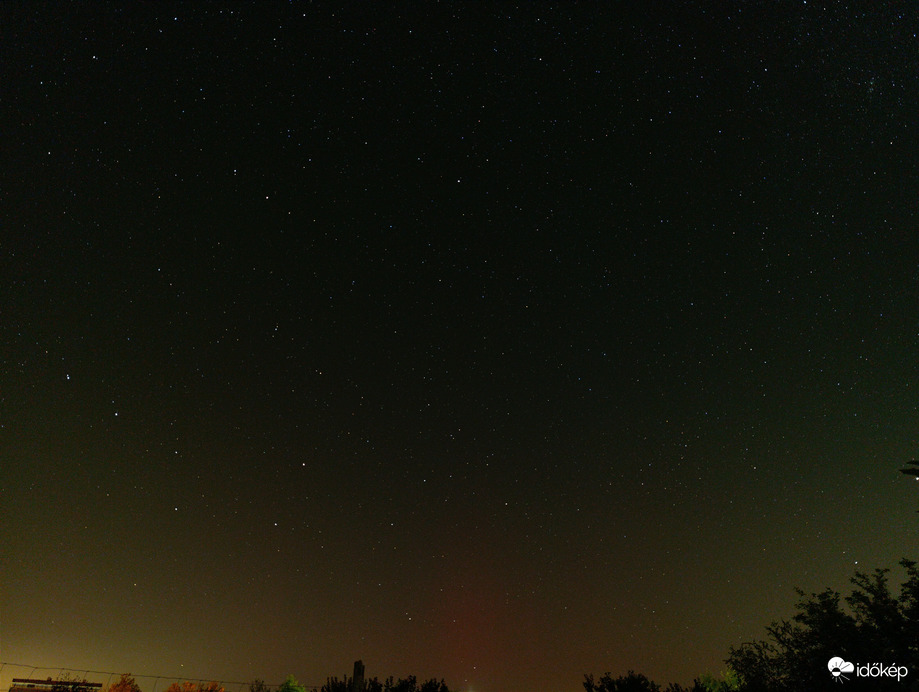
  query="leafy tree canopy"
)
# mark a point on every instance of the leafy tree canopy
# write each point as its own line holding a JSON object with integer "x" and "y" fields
{"x": 196, "y": 687}
{"x": 876, "y": 627}
{"x": 125, "y": 683}
{"x": 630, "y": 682}
{"x": 291, "y": 685}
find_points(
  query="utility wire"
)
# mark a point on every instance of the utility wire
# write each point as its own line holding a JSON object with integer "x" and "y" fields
{"x": 155, "y": 678}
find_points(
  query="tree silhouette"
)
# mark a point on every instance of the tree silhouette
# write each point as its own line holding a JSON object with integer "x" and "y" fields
{"x": 730, "y": 681}
{"x": 409, "y": 684}
{"x": 125, "y": 683}
{"x": 68, "y": 683}
{"x": 195, "y": 687}
{"x": 877, "y": 627}
{"x": 291, "y": 685}
{"x": 630, "y": 682}
{"x": 183, "y": 687}
{"x": 333, "y": 684}
{"x": 636, "y": 682}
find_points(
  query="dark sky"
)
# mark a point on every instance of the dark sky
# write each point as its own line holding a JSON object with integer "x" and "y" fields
{"x": 495, "y": 342}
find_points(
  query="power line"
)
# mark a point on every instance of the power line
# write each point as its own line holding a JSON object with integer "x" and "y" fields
{"x": 156, "y": 678}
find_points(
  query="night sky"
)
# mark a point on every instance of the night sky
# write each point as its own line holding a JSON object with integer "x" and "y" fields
{"x": 492, "y": 342}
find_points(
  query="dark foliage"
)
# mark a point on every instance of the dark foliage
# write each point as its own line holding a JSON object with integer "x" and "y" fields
{"x": 635, "y": 682}
{"x": 66, "y": 683}
{"x": 409, "y": 684}
{"x": 630, "y": 682}
{"x": 125, "y": 683}
{"x": 877, "y": 627}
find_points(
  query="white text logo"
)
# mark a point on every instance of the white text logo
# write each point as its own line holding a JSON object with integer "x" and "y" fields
{"x": 839, "y": 667}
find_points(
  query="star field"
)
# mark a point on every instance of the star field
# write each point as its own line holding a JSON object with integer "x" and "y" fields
{"x": 499, "y": 343}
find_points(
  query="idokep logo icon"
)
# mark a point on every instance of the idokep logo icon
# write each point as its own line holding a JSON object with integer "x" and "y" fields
{"x": 839, "y": 667}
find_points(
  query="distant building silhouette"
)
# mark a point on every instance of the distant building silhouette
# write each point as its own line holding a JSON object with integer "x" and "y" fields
{"x": 47, "y": 685}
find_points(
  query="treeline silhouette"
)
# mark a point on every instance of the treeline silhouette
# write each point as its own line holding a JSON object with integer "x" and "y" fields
{"x": 127, "y": 683}
{"x": 346, "y": 684}
{"x": 871, "y": 639}
{"x": 409, "y": 684}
